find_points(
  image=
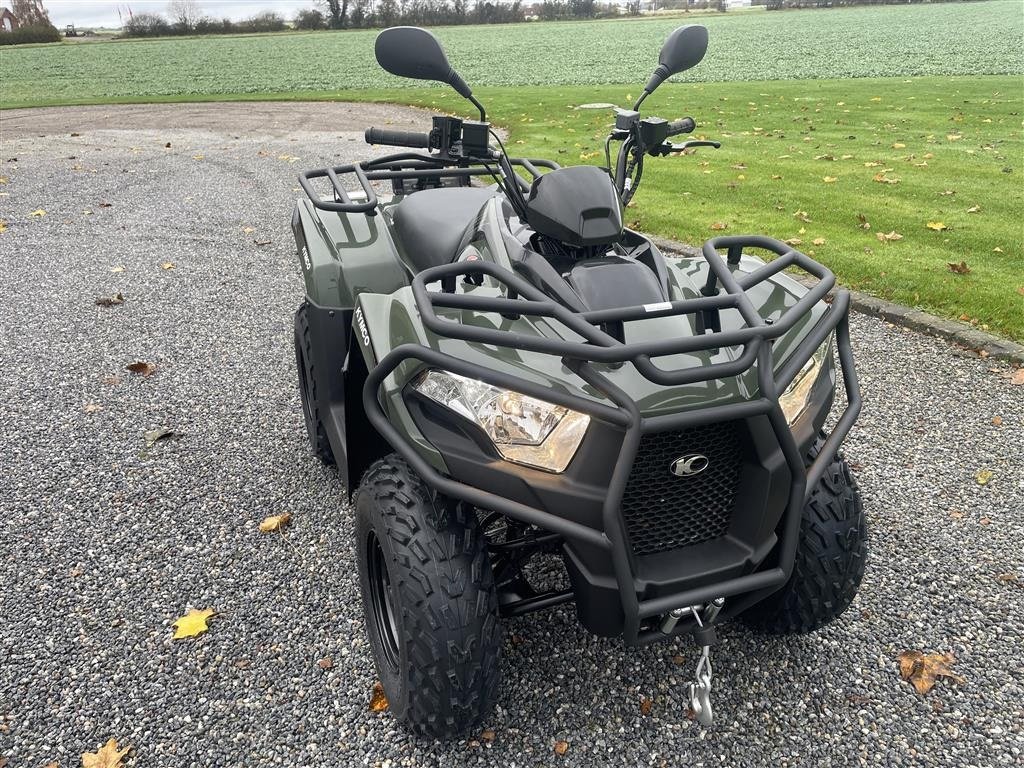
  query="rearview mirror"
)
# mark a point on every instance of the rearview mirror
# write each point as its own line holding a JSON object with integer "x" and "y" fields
{"x": 683, "y": 50}
{"x": 416, "y": 53}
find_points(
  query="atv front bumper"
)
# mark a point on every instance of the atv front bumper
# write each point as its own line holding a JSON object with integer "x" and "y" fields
{"x": 622, "y": 582}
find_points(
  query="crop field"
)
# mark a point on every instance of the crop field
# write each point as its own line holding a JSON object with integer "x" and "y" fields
{"x": 885, "y": 141}
{"x": 885, "y": 41}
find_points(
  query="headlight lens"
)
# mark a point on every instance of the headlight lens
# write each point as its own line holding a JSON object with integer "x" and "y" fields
{"x": 794, "y": 399}
{"x": 525, "y": 430}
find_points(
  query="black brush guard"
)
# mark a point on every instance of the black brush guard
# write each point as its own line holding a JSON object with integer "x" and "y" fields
{"x": 756, "y": 337}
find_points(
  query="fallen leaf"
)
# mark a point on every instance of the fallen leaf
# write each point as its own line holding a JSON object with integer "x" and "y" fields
{"x": 154, "y": 436}
{"x": 881, "y": 178}
{"x": 984, "y": 476}
{"x": 112, "y": 381}
{"x": 325, "y": 663}
{"x": 956, "y": 514}
{"x": 262, "y": 242}
{"x": 938, "y": 226}
{"x": 197, "y": 157}
{"x": 997, "y": 421}
{"x": 92, "y": 407}
{"x": 953, "y": 136}
{"x": 107, "y": 756}
{"x": 1017, "y": 377}
{"x": 819, "y": 241}
{"x": 888, "y": 237}
{"x": 3, "y": 226}
{"x": 645, "y": 706}
{"x": 378, "y": 701}
{"x": 110, "y": 301}
{"x": 793, "y": 241}
{"x": 985, "y": 521}
{"x": 105, "y": 204}
{"x": 37, "y": 214}
{"x": 830, "y": 179}
{"x": 974, "y": 209}
{"x": 488, "y": 735}
{"x": 922, "y": 670}
{"x": 899, "y": 145}
{"x": 561, "y": 747}
{"x": 117, "y": 269}
{"x": 192, "y": 623}
{"x": 802, "y": 215}
{"x": 863, "y": 221}
{"x": 248, "y": 230}
{"x": 1006, "y": 578}
{"x": 1020, "y": 290}
{"x": 719, "y": 226}
{"x": 960, "y": 269}
{"x": 275, "y": 522}
{"x": 678, "y": 660}
{"x": 857, "y": 698}
{"x": 872, "y": 165}
{"x": 167, "y": 145}
{"x": 144, "y": 369}
{"x": 947, "y": 192}
{"x": 243, "y": 664}
{"x": 167, "y": 265}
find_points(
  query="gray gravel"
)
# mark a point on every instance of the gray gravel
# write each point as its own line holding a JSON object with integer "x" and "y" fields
{"x": 103, "y": 543}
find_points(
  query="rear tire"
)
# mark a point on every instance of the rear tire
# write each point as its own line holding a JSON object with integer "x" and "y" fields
{"x": 311, "y": 407}
{"x": 830, "y": 558}
{"x": 429, "y": 600}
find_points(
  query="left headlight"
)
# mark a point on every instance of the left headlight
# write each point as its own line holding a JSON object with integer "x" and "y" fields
{"x": 794, "y": 399}
{"x": 524, "y": 430}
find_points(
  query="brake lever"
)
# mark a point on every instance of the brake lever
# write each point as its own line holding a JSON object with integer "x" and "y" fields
{"x": 668, "y": 148}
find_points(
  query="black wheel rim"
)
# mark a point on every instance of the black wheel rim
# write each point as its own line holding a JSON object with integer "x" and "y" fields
{"x": 381, "y": 603}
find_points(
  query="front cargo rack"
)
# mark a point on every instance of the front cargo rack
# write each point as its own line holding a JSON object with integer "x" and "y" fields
{"x": 424, "y": 169}
{"x": 756, "y": 337}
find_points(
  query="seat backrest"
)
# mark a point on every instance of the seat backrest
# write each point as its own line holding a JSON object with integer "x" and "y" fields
{"x": 430, "y": 223}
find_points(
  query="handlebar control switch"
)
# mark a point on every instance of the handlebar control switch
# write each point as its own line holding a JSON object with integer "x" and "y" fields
{"x": 625, "y": 119}
{"x": 475, "y": 138}
{"x": 653, "y": 131}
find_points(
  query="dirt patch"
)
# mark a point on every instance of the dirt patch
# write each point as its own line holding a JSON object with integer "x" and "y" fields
{"x": 239, "y": 119}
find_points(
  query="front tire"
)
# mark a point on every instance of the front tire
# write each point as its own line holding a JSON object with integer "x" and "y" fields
{"x": 830, "y": 558}
{"x": 429, "y": 600}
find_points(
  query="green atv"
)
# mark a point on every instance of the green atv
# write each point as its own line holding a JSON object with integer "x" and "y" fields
{"x": 501, "y": 371}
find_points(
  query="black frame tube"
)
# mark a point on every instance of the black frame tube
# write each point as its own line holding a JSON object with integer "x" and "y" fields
{"x": 757, "y": 338}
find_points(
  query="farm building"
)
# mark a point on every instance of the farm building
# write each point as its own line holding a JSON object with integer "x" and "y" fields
{"x": 8, "y": 21}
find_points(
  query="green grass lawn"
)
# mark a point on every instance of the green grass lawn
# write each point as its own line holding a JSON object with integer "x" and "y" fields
{"x": 827, "y": 164}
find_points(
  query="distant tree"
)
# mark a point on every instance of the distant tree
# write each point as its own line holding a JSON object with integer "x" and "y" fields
{"x": 268, "y": 21}
{"x": 310, "y": 18}
{"x": 30, "y": 13}
{"x": 147, "y": 25}
{"x": 185, "y": 14}
{"x": 337, "y": 10}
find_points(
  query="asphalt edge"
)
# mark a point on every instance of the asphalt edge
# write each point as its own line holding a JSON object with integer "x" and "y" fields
{"x": 961, "y": 334}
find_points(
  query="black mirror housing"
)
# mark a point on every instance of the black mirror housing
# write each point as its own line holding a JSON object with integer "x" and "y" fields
{"x": 684, "y": 49}
{"x": 415, "y": 53}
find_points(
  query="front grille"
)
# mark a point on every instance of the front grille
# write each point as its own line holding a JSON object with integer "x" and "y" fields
{"x": 664, "y": 511}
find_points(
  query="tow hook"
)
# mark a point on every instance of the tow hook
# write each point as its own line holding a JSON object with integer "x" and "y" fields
{"x": 705, "y": 636}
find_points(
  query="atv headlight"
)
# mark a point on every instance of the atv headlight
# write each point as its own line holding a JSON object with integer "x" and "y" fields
{"x": 794, "y": 399}
{"x": 523, "y": 429}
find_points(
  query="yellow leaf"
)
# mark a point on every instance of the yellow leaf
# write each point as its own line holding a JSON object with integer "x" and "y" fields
{"x": 938, "y": 226}
{"x": 953, "y": 136}
{"x": 561, "y": 747}
{"x": 378, "y": 700}
{"x": 37, "y": 214}
{"x": 794, "y": 241}
{"x": 197, "y": 157}
{"x": 275, "y": 522}
{"x": 167, "y": 265}
{"x": 922, "y": 670}
{"x": 898, "y": 145}
{"x": 107, "y": 756}
{"x": 3, "y": 179}
{"x": 888, "y": 237}
{"x": 830, "y": 179}
{"x": 192, "y": 623}
{"x": 3, "y": 226}
{"x": 819, "y": 241}
{"x": 718, "y": 226}
{"x": 876, "y": 98}
{"x": 974, "y": 209}
{"x": 997, "y": 249}
{"x": 881, "y": 178}
{"x": 984, "y": 476}
{"x": 117, "y": 269}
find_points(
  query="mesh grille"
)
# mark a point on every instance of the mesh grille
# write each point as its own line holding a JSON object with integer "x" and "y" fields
{"x": 664, "y": 511}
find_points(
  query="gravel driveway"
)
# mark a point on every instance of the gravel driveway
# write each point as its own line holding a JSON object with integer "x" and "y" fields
{"x": 105, "y": 542}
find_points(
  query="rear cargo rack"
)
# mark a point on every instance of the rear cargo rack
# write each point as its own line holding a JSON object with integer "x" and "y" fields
{"x": 756, "y": 337}
{"x": 399, "y": 167}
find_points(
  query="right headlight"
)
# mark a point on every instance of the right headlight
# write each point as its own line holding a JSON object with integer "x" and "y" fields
{"x": 524, "y": 429}
{"x": 794, "y": 399}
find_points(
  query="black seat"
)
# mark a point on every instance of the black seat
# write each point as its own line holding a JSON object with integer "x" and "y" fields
{"x": 430, "y": 223}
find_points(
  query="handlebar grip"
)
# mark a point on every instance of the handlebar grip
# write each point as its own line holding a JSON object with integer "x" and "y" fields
{"x": 397, "y": 138}
{"x": 682, "y": 125}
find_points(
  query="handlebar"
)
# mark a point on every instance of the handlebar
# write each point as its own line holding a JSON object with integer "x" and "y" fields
{"x": 397, "y": 138}
{"x": 682, "y": 125}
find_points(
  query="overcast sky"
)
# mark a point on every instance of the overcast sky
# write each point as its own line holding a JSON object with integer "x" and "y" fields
{"x": 103, "y": 13}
